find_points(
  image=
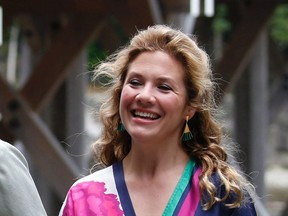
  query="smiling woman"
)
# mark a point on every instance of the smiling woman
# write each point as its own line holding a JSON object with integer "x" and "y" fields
{"x": 168, "y": 157}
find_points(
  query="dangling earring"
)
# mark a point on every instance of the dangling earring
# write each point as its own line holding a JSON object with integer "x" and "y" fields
{"x": 187, "y": 135}
{"x": 120, "y": 127}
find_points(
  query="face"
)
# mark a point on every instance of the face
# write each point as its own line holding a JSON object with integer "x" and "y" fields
{"x": 153, "y": 103}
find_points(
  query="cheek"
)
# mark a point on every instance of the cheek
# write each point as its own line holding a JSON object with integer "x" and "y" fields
{"x": 125, "y": 100}
{"x": 173, "y": 102}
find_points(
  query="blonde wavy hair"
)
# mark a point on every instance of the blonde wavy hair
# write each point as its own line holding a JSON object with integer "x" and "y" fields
{"x": 205, "y": 147}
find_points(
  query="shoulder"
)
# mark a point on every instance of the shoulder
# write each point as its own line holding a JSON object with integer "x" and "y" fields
{"x": 98, "y": 187}
{"x": 16, "y": 184}
{"x": 246, "y": 207}
{"x": 12, "y": 156}
{"x": 102, "y": 175}
{"x": 101, "y": 180}
{"x": 6, "y": 147}
{"x": 221, "y": 207}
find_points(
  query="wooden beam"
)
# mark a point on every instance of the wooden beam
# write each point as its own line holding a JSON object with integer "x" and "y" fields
{"x": 58, "y": 168}
{"x": 125, "y": 17}
{"x": 141, "y": 14}
{"x": 134, "y": 15}
{"x": 258, "y": 1}
{"x": 54, "y": 7}
{"x": 43, "y": 82}
{"x": 52, "y": 70}
{"x": 237, "y": 54}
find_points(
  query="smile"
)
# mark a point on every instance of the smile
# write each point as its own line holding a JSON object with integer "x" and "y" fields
{"x": 145, "y": 115}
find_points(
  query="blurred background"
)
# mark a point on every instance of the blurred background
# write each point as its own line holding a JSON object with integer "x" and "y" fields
{"x": 49, "y": 104}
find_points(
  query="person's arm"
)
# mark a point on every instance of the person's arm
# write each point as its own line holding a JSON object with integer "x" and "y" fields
{"x": 18, "y": 193}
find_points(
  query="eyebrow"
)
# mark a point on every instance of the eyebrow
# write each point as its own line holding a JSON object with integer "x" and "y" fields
{"x": 161, "y": 78}
{"x": 134, "y": 73}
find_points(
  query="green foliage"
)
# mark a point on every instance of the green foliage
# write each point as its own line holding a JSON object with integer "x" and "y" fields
{"x": 118, "y": 29}
{"x": 95, "y": 54}
{"x": 279, "y": 26}
{"x": 220, "y": 21}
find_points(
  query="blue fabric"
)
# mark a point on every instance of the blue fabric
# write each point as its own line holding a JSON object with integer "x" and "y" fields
{"x": 246, "y": 209}
{"x": 122, "y": 189}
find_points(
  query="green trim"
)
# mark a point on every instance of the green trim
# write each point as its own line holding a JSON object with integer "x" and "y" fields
{"x": 180, "y": 187}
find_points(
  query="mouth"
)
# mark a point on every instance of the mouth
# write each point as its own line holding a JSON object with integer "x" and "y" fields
{"x": 145, "y": 115}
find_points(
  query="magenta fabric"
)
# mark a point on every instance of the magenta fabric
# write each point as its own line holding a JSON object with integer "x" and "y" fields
{"x": 193, "y": 198}
{"x": 89, "y": 199}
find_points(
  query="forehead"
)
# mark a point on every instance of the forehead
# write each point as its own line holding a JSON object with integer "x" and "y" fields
{"x": 157, "y": 63}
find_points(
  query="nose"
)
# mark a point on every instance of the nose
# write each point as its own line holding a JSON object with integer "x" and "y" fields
{"x": 146, "y": 96}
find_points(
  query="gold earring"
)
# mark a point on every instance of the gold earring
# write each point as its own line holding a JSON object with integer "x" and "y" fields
{"x": 187, "y": 135}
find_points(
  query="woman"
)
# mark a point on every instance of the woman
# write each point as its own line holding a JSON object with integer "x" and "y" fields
{"x": 18, "y": 193}
{"x": 165, "y": 158}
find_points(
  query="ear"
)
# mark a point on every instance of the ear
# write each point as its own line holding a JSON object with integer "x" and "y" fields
{"x": 190, "y": 111}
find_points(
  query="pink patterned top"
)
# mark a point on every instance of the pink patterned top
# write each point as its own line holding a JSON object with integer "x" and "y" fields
{"x": 104, "y": 193}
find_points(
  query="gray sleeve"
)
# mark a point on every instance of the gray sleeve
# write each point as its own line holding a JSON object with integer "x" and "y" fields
{"x": 18, "y": 193}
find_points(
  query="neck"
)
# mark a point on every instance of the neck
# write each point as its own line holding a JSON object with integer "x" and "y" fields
{"x": 150, "y": 159}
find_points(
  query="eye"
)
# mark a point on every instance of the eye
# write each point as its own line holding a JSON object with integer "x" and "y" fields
{"x": 165, "y": 87}
{"x": 134, "y": 82}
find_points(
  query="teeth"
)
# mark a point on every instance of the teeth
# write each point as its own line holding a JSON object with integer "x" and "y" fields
{"x": 145, "y": 115}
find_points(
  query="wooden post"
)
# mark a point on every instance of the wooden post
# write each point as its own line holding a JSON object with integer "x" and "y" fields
{"x": 252, "y": 113}
{"x": 75, "y": 91}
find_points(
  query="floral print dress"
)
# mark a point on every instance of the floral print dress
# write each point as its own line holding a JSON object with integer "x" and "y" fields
{"x": 104, "y": 193}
